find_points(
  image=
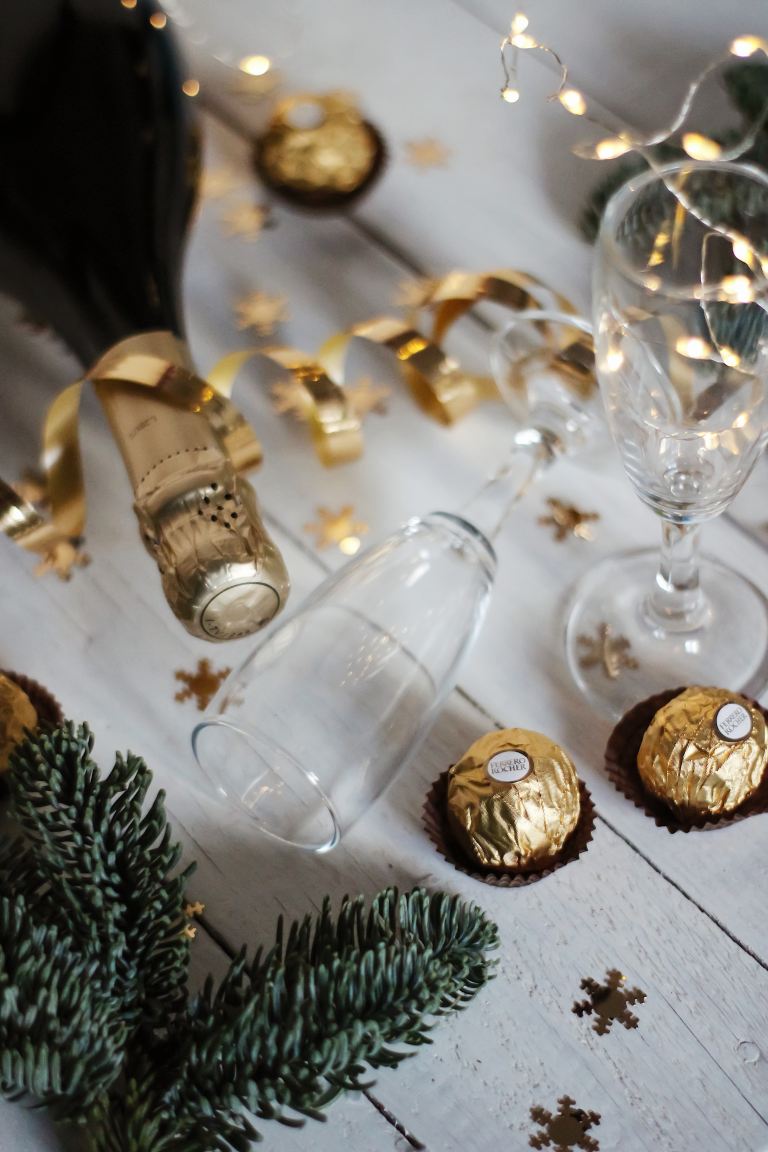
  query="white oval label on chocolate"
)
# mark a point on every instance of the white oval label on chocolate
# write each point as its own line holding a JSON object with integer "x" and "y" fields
{"x": 733, "y": 722}
{"x": 508, "y": 767}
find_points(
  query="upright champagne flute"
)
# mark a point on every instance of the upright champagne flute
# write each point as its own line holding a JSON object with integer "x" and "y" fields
{"x": 681, "y": 334}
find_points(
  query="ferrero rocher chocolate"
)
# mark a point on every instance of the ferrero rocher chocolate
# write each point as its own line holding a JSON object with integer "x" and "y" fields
{"x": 318, "y": 151}
{"x": 16, "y": 714}
{"x": 513, "y": 800}
{"x": 704, "y": 753}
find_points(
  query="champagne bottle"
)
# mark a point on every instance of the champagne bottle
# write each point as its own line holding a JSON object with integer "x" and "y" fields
{"x": 100, "y": 151}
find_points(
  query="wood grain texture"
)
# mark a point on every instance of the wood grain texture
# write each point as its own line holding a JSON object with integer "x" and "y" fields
{"x": 682, "y": 916}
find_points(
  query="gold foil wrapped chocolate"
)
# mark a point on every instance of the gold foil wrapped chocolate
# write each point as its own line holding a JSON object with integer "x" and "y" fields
{"x": 704, "y": 753}
{"x": 318, "y": 151}
{"x": 16, "y": 714}
{"x": 513, "y": 800}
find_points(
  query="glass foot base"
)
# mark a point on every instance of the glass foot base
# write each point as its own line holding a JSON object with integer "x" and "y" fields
{"x": 618, "y": 657}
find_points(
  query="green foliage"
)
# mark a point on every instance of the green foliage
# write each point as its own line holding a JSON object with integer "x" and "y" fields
{"x": 95, "y": 1023}
{"x": 747, "y": 88}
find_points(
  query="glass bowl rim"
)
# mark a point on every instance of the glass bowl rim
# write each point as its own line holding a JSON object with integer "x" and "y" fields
{"x": 618, "y": 202}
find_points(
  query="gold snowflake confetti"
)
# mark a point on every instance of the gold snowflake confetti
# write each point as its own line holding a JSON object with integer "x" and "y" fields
{"x": 365, "y": 397}
{"x": 607, "y": 650}
{"x": 427, "y": 153}
{"x": 190, "y": 931}
{"x": 245, "y": 220}
{"x": 195, "y": 909}
{"x": 565, "y": 1129}
{"x": 262, "y": 312}
{"x": 202, "y": 684}
{"x": 609, "y": 1001}
{"x": 568, "y": 520}
{"x": 414, "y": 293}
{"x": 339, "y": 528}
{"x": 218, "y": 182}
{"x": 62, "y": 558}
{"x": 290, "y": 397}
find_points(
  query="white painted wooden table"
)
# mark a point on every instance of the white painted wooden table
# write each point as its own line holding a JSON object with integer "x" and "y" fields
{"x": 682, "y": 916}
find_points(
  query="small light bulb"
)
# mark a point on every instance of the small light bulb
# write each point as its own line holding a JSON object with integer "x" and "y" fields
{"x": 743, "y": 252}
{"x": 191, "y": 87}
{"x": 350, "y": 545}
{"x": 158, "y": 19}
{"x": 573, "y": 101}
{"x": 738, "y": 288}
{"x": 732, "y": 359}
{"x": 613, "y": 359}
{"x": 693, "y": 347}
{"x": 701, "y": 147}
{"x": 522, "y": 40}
{"x": 652, "y": 282}
{"x": 255, "y": 65}
{"x": 129, "y": 3}
{"x": 511, "y": 95}
{"x": 745, "y": 45}
{"x": 519, "y": 24}
{"x": 611, "y": 147}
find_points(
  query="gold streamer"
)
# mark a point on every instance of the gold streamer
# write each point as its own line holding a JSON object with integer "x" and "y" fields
{"x": 440, "y": 386}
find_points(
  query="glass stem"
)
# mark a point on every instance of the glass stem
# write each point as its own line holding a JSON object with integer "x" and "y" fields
{"x": 677, "y": 602}
{"x": 489, "y": 507}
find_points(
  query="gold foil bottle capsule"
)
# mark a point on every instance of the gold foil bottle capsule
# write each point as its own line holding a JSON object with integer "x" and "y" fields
{"x": 704, "y": 753}
{"x": 16, "y": 714}
{"x": 513, "y": 800}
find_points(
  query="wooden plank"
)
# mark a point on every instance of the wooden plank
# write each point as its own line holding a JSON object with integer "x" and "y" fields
{"x": 637, "y": 62}
{"x": 109, "y": 647}
{"x": 351, "y": 1119}
{"x": 413, "y": 464}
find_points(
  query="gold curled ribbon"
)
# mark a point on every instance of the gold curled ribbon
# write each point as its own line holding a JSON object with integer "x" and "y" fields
{"x": 161, "y": 361}
{"x": 336, "y": 431}
{"x": 439, "y": 385}
{"x": 452, "y": 295}
{"x": 443, "y": 389}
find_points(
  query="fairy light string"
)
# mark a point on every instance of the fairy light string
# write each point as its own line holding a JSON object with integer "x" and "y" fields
{"x": 618, "y": 140}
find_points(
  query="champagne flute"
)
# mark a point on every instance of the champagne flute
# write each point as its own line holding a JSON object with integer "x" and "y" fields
{"x": 682, "y": 358}
{"x": 334, "y": 701}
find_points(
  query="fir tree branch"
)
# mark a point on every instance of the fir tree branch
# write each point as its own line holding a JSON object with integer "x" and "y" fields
{"x": 94, "y": 1019}
{"x": 103, "y": 867}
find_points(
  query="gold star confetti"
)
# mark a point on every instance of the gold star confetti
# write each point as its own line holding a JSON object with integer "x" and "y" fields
{"x": 245, "y": 220}
{"x": 195, "y": 909}
{"x": 607, "y": 650}
{"x": 427, "y": 153}
{"x": 338, "y": 528}
{"x": 62, "y": 558}
{"x": 414, "y": 293}
{"x": 202, "y": 684}
{"x": 568, "y": 520}
{"x": 366, "y": 397}
{"x": 609, "y": 1001}
{"x": 261, "y": 312}
{"x": 291, "y": 397}
{"x": 566, "y": 1129}
{"x": 218, "y": 182}
{"x": 190, "y": 931}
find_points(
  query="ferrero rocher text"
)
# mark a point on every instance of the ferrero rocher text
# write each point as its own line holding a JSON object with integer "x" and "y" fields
{"x": 513, "y": 800}
{"x": 16, "y": 714}
{"x": 704, "y": 753}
